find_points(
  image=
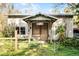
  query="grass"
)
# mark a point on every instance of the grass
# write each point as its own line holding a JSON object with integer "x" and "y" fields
{"x": 36, "y": 49}
{"x": 69, "y": 51}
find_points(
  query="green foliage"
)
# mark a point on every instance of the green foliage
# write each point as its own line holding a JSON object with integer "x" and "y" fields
{"x": 61, "y": 32}
{"x": 36, "y": 49}
{"x": 33, "y": 45}
{"x": 74, "y": 7}
{"x": 76, "y": 20}
{"x": 71, "y": 42}
{"x": 77, "y": 9}
{"x": 68, "y": 51}
{"x": 60, "y": 29}
{"x": 5, "y": 47}
{"x": 1, "y": 35}
{"x": 8, "y": 31}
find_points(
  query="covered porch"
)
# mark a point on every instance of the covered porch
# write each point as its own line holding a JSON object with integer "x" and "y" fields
{"x": 40, "y": 27}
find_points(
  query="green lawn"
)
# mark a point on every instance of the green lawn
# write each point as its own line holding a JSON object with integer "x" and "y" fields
{"x": 35, "y": 49}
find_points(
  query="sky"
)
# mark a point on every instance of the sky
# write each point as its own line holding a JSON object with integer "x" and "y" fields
{"x": 33, "y": 8}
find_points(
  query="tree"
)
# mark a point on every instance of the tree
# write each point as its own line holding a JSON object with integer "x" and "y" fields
{"x": 12, "y": 10}
{"x": 75, "y": 9}
{"x": 2, "y": 7}
{"x": 3, "y": 20}
{"x": 3, "y": 16}
{"x": 67, "y": 10}
{"x": 55, "y": 9}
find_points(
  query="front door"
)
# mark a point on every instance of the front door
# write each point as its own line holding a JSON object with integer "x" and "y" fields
{"x": 40, "y": 32}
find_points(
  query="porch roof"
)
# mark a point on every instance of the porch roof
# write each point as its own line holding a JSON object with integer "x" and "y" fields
{"x": 37, "y": 15}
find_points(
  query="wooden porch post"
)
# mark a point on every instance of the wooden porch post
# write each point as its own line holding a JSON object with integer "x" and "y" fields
{"x": 16, "y": 40}
{"x": 50, "y": 31}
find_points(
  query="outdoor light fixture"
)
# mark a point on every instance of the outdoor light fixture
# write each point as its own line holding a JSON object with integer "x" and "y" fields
{"x": 40, "y": 23}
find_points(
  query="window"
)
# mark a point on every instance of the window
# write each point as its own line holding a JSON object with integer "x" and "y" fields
{"x": 76, "y": 33}
{"x": 17, "y": 28}
{"x": 20, "y": 30}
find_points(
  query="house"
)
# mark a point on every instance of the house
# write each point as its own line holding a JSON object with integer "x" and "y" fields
{"x": 42, "y": 26}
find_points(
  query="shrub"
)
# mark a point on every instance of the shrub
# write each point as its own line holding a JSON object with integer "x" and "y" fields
{"x": 33, "y": 45}
{"x": 61, "y": 31}
{"x": 8, "y": 31}
{"x": 71, "y": 42}
{"x": 6, "y": 44}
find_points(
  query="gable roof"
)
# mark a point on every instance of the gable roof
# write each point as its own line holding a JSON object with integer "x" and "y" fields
{"x": 37, "y": 15}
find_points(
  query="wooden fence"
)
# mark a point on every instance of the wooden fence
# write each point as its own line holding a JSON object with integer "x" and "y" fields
{"x": 15, "y": 38}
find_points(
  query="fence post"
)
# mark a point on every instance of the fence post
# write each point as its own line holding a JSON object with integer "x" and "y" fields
{"x": 16, "y": 40}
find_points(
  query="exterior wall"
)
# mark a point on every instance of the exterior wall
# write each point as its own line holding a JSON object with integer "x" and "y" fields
{"x": 18, "y": 22}
{"x": 51, "y": 27}
{"x": 69, "y": 27}
{"x": 55, "y": 26}
{"x": 68, "y": 21}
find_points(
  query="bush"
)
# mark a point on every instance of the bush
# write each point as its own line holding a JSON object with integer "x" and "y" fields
{"x": 33, "y": 45}
{"x": 61, "y": 31}
{"x": 8, "y": 31}
{"x": 71, "y": 42}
